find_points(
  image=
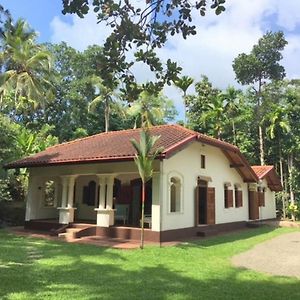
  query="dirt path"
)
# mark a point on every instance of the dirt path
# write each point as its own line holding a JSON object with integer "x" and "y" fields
{"x": 279, "y": 256}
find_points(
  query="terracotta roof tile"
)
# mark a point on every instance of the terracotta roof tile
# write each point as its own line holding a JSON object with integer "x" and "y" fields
{"x": 114, "y": 145}
{"x": 268, "y": 173}
{"x": 261, "y": 171}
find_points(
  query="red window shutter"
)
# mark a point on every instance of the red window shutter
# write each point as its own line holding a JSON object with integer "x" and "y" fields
{"x": 230, "y": 198}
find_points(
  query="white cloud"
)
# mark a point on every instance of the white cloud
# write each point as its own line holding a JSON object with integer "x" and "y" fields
{"x": 219, "y": 40}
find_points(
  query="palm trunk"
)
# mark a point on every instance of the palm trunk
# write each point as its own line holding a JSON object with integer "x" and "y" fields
{"x": 106, "y": 116}
{"x": 233, "y": 132}
{"x": 281, "y": 180}
{"x": 260, "y": 129}
{"x": 261, "y": 146}
{"x": 184, "y": 103}
{"x": 292, "y": 195}
{"x": 143, "y": 214}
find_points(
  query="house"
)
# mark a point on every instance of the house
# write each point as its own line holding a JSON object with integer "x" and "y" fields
{"x": 198, "y": 182}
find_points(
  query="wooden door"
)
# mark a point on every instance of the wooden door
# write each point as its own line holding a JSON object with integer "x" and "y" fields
{"x": 211, "y": 219}
{"x": 204, "y": 205}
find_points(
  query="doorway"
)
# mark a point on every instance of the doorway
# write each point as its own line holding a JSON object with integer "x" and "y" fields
{"x": 201, "y": 202}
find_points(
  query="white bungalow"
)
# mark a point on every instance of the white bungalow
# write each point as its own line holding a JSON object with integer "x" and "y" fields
{"x": 198, "y": 182}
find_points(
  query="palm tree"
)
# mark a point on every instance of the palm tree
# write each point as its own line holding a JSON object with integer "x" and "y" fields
{"x": 183, "y": 84}
{"x": 145, "y": 155}
{"x": 27, "y": 66}
{"x": 148, "y": 110}
{"x": 107, "y": 96}
{"x": 231, "y": 97}
{"x": 215, "y": 115}
{"x": 278, "y": 126}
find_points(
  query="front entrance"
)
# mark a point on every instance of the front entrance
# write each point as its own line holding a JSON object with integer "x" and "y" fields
{"x": 204, "y": 204}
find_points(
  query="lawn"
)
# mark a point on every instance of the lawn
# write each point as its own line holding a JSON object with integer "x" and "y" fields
{"x": 40, "y": 269}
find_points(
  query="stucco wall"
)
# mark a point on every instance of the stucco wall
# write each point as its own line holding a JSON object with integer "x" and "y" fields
{"x": 269, "y": 210}
{"x": 186, "y": 164}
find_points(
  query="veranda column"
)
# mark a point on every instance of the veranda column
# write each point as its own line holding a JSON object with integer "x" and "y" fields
{"x": 66, "y": 211}
{"x": 64, "y": 191}
{"x": 102, "y": 188}
{"x": 155, "y": 209}
{"x": 109, "y": 192}
{"x": 109, "y": 199}
{"x": 31, "y": 203}
{"x": 102, "y": 217}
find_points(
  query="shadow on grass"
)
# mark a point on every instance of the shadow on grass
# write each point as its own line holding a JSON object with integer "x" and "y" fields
{"x": 69, "y": 271}
{"x": 229, "y": 237}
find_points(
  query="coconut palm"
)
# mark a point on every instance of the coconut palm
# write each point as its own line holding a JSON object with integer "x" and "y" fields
{"x": 183, "y": 84}
{"x": 151, "y": 110}
{"x": 145, "y": 155}
{"x": 27, "y": 66}
{"x": 231, "y": 98}
{"x": 107, "y": 96}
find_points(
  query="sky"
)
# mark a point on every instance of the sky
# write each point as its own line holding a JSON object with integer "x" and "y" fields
{"x": 211, "y": 52}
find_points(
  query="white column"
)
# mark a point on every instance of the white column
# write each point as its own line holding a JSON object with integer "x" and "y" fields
{"x": 66, "y": 211}
{"x": 64, "y": 192}
{"x": 101, "y": 182}
{"x": 109, "y": 192}
{"x": 31, "y": 206}
{"x": 155, "y": 210}
{"x": 71, "y": 191}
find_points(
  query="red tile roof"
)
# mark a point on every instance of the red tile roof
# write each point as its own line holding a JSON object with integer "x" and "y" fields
{"x": 116, "y": 146}
{"x": 261, "y": 171}
{"x": 268, "y": 173}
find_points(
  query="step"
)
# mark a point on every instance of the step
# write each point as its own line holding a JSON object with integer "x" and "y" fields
{"x": 208, "y": 232}
{"x": 81, "y": 225}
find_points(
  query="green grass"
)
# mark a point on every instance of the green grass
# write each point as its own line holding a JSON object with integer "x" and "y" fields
{"x": 40, "y": 269}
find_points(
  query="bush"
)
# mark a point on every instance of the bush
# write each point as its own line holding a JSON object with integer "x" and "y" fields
{"x": 12, "y": 213}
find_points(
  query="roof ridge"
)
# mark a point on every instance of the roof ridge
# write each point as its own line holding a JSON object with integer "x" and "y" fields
{"x": 111, "y": 133}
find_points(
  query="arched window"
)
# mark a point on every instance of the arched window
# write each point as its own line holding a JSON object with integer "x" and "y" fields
{"x": 175, "y": 194}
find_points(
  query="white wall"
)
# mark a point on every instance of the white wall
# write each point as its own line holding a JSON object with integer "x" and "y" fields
{"x": 269, "y": 210}
{"x": 35, "y": 208}
{"x": 187, "y": 164}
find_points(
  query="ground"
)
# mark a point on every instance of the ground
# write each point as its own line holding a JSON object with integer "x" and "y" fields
{"x": 279, "y": 256}
{"x": 42, "y": 269}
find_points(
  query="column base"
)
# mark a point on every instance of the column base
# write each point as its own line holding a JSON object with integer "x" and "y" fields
{"x": 105, "y": 217}
{"x": 66, "y": 215}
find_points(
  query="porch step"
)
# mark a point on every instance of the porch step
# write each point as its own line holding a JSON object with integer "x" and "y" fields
{"x": 81, "y": 225}
{"x": 255, "y": 224}
{"x": 207, "y": 232}
{"x": 71, "y": 233}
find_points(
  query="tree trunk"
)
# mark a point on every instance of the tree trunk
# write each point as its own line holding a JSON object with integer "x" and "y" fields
{"x": 292, "y": 195}
{"x": 260, "y": 129}
{"x": 282, "y": 183}
{"x": 106, "y": 116}
{"x": 233, "y": 132}
{"x": 184, "y": 103}
{"x": 143, "y": 214}
{"x": 261, "y": 146}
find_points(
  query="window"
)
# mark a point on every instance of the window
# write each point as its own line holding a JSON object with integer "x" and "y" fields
{"x": 175, "y": 194}
{"x": 238, "y": 195}
{"x": 202, "y": 161}
{"x": 49, "y": 194}
{"x": 228, "y": 197}
{"x": 89, "y": 194}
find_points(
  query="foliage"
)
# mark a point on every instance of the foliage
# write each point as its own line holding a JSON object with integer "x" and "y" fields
{"x": 27, "y": 68}
{"x": 183, "y": 84}
{"x": 261, "y": 65}
{"x": 151, "y": 110}
{"x": 141, "y": 27}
